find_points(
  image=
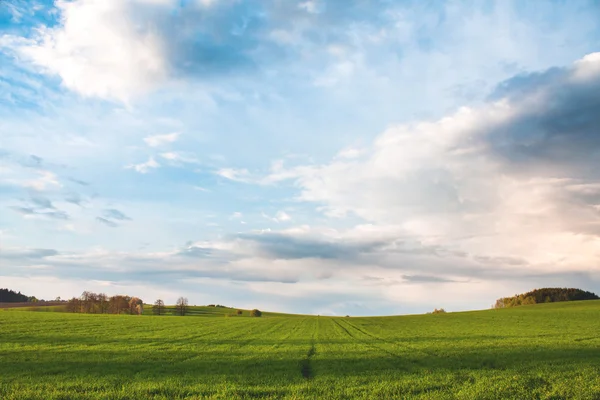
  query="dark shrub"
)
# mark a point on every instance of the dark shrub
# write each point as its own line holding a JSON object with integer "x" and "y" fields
{"x": 255, "y": 313}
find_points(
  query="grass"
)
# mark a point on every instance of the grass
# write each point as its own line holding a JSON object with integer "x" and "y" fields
{"x": 205, "y": 311}
{"x": 546, "y": 351}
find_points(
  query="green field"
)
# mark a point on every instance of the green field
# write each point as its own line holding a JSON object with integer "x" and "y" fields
{"x": 545, "y": 351}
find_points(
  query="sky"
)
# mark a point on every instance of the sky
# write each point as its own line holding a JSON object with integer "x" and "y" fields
{"x": 323, "y": 157}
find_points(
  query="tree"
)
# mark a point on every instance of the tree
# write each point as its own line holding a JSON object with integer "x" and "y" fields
{"x": 103, "y": 303}
{"x": 255, "y": 313}
{"x": 136, "y": 306}
{"x": 181, "y": 308}
{"x": 239, "y": 312}
{"x": 159, "y": 307}
{"x": 118, "y": 304}
{"x": 74, "y": 305}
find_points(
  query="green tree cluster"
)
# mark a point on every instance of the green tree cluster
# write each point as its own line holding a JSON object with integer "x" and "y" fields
{"x": 10, "y": 296}
{"x": 545, "y": 295}
{"x": 255, "y": 313}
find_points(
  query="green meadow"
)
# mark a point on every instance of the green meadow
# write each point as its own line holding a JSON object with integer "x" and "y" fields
{"x": 544, "y": 351}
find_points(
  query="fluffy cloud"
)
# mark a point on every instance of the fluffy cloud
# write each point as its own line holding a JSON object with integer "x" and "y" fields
{"x": 117, "y": 49}
{"x": 515, "y": 176}
{"x": 177, "y": 158}
{"x": 160, "y": 140}
{"x": 97, "y": 50}
{"x": 144, "y": 167}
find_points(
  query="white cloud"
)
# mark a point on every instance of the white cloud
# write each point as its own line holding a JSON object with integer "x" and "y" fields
{"x": 587, "y": 67}
{"x": 350, "y": 153}
{"x": 161, "y": 140}
{"x": 457, "y": 182}
{"x": 98, "y": 50}
{"x": 335, "y": 74}
{"x": 310, "y": 6}
{"x": 280, "y": 216}
{"x": 145, "y": 167}
{"x": 179, "y": 158}
{"x": 238, "y": 175}
{"x": 236, "y": 215}
{"x": 46, "y": 179}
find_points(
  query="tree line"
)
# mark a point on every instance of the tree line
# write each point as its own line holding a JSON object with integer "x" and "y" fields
{"x": 100, "y": 303}
{"x": 545, "y": 295}
{"x": 10, "y": 296}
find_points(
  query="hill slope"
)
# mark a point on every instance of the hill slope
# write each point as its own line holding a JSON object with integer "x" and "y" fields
{"x": 542, "y": 351}
{"x": 206, "y": 311}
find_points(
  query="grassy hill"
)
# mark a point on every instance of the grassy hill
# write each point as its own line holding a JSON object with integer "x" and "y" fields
{"x": 206, "y": 311}
{"x": 193, "y": 311}
{"x": 544, "y": 351}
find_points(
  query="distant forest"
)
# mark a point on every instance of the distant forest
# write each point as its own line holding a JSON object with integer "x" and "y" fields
{"x": 546, "y": 295}
{"x": 10, "y": 296}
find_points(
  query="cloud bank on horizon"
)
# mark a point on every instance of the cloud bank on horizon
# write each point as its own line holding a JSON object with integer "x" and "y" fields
{"x": 312, "y": 156}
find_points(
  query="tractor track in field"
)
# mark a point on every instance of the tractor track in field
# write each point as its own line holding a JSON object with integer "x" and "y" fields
{"x": 391, "y": 343}
{"x": 410, "y": 358}
{"x": 290, "y": 333}
{"x": 239, "y": 343}
{"x": 366, "y": 343}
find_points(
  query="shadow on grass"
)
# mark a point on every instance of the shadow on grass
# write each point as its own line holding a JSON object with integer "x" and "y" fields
{"x": 240, "y": 362}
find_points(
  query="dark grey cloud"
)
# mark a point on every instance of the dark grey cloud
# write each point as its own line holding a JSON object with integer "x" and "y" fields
{"x": 115, "y": 214}
{"x": 79, "y": 181}
{"x": 524, "y": 84}
{"x": 141, "y": 267}
{"x": 28, "y": 161}
{"x": 556, "y": 129}
{"x": 111, "y": 217}
{"x": 218, "y": 257}
{"x": 34, "y": 161}
{"x": 378, "y": 281}
{"x": 56, "y": 214}
{"x": 217, "y": 273}
{"x": 74, "y": 198}
{"x": 42, "y": 202}
{"x": 27, "y": 254}
{"x": 426, "y": 279}
{"x": 107, "y": 222}
{"x": 23, "y": 210}
{"x": 500, "y": 260}
{"x": 290, "y": 247}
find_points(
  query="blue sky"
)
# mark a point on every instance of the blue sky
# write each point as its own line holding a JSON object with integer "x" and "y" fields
{"x": 316, "y": 156}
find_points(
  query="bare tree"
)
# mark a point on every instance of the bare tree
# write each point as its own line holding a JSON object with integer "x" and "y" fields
{"x": 103, "y": 303}
{"x": 181, "y": 308}
{"x": 119, "y": 304}
{"x": 159, "y": 307}
{"x": 74, "y": 305}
